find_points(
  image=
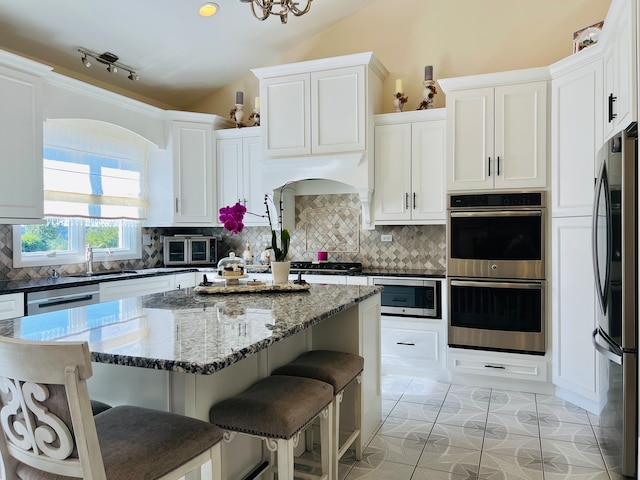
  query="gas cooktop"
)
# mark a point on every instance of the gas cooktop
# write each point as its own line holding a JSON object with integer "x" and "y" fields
{"x": 327, "y": 267}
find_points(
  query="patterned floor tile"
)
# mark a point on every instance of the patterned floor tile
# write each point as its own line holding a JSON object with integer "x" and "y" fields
{"x": 511, "y": 403}
{"x": 431, "y": 398}
{"x": 406, "y": 428}
{"x": 563, "y": 413}
{"x": 505, "y": 443}
{"x": 380, "y": 471}
{"x": 427, "y": 474}
{"x": 568, "y": 432}
{"x": 459, "y": 416}
{"x": 415, "y": 411}
{"x": 461, "y": 461}
{"x": 521, "y": 424}
{"x": 573, "y": 472}
{"x": 464, "y": 437}
{"x": 542, "y": 399}
{"x": 566, "y": 453}
{"x": 391, "y": 449}
{"x": 494, "y": 466}
{"x": 387, "y": 406}
{"x": 475, "y": 394}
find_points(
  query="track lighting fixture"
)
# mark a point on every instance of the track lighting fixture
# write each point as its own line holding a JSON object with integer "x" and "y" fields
{"x": 110, "y": 60}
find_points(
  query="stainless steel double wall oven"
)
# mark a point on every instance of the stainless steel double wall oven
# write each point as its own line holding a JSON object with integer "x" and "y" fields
{"x": 496, "y": 271}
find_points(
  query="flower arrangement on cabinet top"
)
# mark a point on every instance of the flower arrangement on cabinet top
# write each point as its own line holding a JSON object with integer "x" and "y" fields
{"x": 232, "y": 218}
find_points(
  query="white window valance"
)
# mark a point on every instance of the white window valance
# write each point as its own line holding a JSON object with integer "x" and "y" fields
{"x": 94, "y": 169}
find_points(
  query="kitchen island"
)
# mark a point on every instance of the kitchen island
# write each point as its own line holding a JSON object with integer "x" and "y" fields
{"x": 182, "y": 351}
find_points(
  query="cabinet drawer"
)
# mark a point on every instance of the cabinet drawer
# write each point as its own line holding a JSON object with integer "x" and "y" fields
{"x": 135, "y": 287}
{"x": 410, "y": 344}
{"x": 11, "y": 305}
{"x": 516, "y": 366}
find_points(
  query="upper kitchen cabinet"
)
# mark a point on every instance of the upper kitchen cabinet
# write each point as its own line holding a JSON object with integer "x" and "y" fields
{"x": 239, "y": 174}
{"x": 409, "y": 168}
{"x": 182, "y": 178}
{"x": 497, "y": 130}
{"x": 576, "y": 131}
{"x": 319, "y": 107}
{"x": 21, "y": 185}
{"x": 620, "y": 89}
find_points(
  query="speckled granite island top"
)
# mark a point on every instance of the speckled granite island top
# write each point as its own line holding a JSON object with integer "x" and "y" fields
{"x": 183, "y": 331}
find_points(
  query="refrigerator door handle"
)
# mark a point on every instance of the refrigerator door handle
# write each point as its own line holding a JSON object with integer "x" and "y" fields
{"x": 607, "y": 351}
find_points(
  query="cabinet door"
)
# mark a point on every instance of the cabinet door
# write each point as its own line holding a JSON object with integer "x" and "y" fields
{"x": 252, "y": 175}
{"x": 576, "y": 364}
{"x": 338, "y": 110}
{"x": 521, "y": 136}
{"x": 193, "y": 173}
{"x": 286, "y": 115}
{"x": 428, "y": 165}
{"x": 576, "y": 136}
{"x": 230, "y": 178}
{"x": 21, "y": 184}
{"x": 470, "y": 139}
{"x": 392, "y": 173}
{"x": 620, "y": 64}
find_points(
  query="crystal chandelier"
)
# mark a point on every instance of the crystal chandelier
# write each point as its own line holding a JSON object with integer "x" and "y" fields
{"x": 263, "y": 8}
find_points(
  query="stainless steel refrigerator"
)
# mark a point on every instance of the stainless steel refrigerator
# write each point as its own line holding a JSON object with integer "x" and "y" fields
{"x": 615, "y": 249}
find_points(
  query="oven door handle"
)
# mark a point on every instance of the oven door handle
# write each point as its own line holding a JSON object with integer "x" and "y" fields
{"x": 508, "y": 213}
{"x": 520, "y": 285}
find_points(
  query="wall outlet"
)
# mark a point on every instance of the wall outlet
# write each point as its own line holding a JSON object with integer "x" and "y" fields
{"x": 386, "y": 238}
{"x": 146, "y": 239}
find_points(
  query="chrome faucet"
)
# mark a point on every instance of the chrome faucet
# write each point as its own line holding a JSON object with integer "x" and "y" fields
{"x": 89, "y": 259}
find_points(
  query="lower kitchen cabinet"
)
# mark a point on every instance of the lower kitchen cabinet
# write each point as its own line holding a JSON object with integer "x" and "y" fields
{"x": 578, "y": 369}
{"x": 413, "y": 346}
{"x": 11, "y": 305}
{"x": 509, "y": 366}
{"x": 135, "y": 287}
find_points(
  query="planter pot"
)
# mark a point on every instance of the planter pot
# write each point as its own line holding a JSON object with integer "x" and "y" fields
{"x": 280, "y": 271}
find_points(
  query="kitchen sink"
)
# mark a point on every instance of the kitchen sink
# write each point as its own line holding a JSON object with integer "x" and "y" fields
{"x": 103, "y": 274}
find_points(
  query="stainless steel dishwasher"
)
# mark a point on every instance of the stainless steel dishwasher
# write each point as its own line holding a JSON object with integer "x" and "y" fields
{"x": 61, "y": 298}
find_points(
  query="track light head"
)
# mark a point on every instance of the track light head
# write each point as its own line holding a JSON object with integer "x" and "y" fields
{"x": 110, "y": 60}
{"x": 133, "y": 77}
{"x": 112, "y": 68}
{"x": 86, "y": 62}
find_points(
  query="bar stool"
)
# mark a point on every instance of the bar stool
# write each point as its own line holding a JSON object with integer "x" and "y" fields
{"x": 338, "y": 369}
{"x": 277, "y": 409}
{"x": 50, "y": 432}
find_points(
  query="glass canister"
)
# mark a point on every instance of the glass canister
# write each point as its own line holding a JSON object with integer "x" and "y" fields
{"x": 231, "y": 266}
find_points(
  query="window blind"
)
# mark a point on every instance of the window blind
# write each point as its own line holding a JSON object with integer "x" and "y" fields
{"x": 94, "y": 169}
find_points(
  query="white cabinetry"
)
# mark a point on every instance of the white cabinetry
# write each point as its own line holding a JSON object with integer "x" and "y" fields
{"x": 239, "y": 177}
{"x": 319, "y": 107}
{"x": 508, "y": 366}
{"x": 497, "y": 130}
{"x": 135, "y": 287}
{"x": 182, "y": 178}
{"x": 21, "y": 182}
{"x": 11, "y": 305}
{"x": 620, "y": 88}
{"x": 577, "y": 366}
{"x": 576, "y": 131}
{"x": 409, "y": 168}
{"x": 415, "y": 346}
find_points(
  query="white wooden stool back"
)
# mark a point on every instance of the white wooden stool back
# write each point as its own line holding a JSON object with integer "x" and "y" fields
{"x": 45, "y": 411}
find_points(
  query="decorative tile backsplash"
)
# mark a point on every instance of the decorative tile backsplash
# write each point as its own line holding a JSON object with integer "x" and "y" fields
{"x": 323, "y": 223}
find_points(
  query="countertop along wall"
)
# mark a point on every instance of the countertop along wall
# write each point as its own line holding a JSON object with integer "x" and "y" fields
{"x": 413, "y": 247}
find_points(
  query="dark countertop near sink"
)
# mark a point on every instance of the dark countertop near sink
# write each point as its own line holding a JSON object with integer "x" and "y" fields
{"x": 50, "y": 283}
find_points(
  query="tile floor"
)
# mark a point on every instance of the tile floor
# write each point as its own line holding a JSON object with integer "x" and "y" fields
{"x": 434, "y": 431}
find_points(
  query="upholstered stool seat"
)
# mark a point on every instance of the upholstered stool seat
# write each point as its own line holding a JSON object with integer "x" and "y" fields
{"x": 98, "y": 407}
{"x": 50, "y": 432}
{"x": 338, "y": 369}
{"x": 277, "y": 409}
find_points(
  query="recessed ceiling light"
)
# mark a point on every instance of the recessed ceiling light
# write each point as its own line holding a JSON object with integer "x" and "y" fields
{"x": 208, "y": 9}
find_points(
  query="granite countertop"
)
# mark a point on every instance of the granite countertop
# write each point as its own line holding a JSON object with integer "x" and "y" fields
{"x": 183, "y": 331}
{"x": 403, "y": 272}
{"x": 50, "y": 283}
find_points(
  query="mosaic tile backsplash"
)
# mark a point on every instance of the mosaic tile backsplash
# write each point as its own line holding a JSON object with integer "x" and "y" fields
{"x": 323, "y": 223}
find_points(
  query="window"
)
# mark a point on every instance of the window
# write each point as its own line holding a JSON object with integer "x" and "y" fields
{"x": 95, "y": 194}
